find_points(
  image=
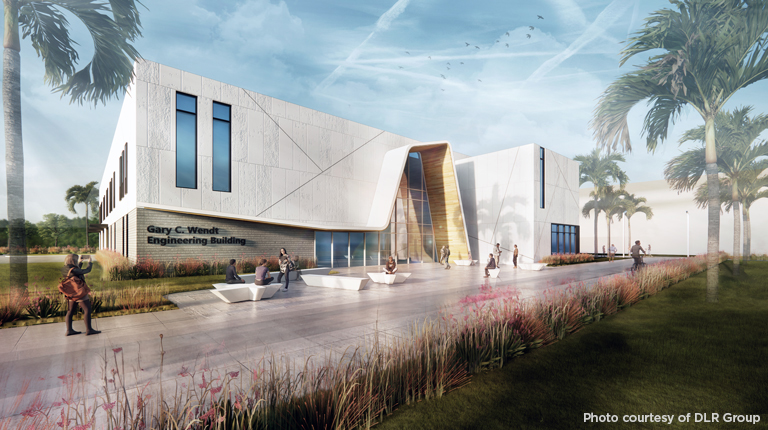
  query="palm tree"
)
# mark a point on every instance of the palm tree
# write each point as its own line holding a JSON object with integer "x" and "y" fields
{"x": 632, "y": 206}
{"x": 735, "y": 133}
{"x": 87, "y": 195}
{"x": 599, "y": 170}
{"x": 610, "y": 203}
{"x": 709, "y": 51}
{"x": 113, "y": 26}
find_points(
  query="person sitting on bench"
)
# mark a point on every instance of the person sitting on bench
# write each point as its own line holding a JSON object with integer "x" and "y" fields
{"x": 391, "y": 267}
{"x": 232, "y": 277}
{"x": 491, "y": 265}
{"x": 262, "y": 274}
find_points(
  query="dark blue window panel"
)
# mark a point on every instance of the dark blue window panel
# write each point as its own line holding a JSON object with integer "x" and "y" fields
{"x": 186, "y": 149}
{"x": 415, "y": 174}
{"x": 340, "y": 249}
{"x": 541, "y": 178}
{"x": 186, "y": 103}
{"x": 357, "y": 247}
{"x": 554, "y": 241}
{"x": 222, "y": 149}
{"x": 323, "y": 248}
{"x": 371, "y": 248}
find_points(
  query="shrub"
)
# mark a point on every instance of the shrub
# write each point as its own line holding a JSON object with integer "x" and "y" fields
{"x": 44, "y": 306}
{"x": 561, "y": 259}
{"x": 114, "y": 266}
{"x": 3, "y": 250}
{"x": 12, "y": 305}
{"x": 54, "y": 250}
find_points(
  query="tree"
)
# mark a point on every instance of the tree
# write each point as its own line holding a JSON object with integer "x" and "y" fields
{"x": 113, "y": 26}
{"x": 735, "y": 134}
{"x": 633, "y": 205}
{"x": 610, "y": 203}
{"x": 52, "y": 227}
{"x": 599, "y": 169}
{"x": 87, "y": 195}
{"x": 710, "y": 49}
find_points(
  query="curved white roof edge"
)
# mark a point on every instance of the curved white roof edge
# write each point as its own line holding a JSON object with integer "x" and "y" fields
{"x": 381, "y": 207}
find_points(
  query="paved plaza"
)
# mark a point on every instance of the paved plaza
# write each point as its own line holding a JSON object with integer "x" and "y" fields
{"x": 206, "y": 333}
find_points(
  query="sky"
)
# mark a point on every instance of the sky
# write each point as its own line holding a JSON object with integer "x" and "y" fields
{"x": 403, "y": 66}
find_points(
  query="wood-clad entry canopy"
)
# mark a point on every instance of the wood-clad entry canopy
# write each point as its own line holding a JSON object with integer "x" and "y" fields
{"x": 444, "y": 199}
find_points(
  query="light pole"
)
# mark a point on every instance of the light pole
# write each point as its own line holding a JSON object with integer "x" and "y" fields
{"x": 623, "y": 236}
{"x": 687, "y": 234}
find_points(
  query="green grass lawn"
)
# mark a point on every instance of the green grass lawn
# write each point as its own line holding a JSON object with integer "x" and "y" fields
{"x": 670, "y": 354}
{"x": 46, "y": 276}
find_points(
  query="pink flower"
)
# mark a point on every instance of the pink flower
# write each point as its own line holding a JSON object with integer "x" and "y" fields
{"x": 56, "y": 404}
{"x": 234, "y": 374}
{"x": 184, "y": 371}
{"x": 116, "y": 350}
{"x": 108, "y": 406}
{"x": 216, "y": 389}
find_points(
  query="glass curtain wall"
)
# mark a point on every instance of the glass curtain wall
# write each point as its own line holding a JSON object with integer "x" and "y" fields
{"x": 409, "y": 237}
{"x": 565, "y": 239}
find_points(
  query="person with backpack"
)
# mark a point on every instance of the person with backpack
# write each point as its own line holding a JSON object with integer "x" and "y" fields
{"x": 76, "y": 291}
{"x": 286, "y": 265}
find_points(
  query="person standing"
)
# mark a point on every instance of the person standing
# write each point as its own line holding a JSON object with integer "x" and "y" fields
{"x": 232, "y": 277}
{"x": 649, "y": 250}
{"x": 262, "y": 274}
{"x": 491, "y": 265}
{"x": 73, "y": 268}
{"x": 612, "y": 252}
{"x": 514, "y": 256}
{"x": 442, "y": 254}
{"x": 603, "y": 249}
{"x": 635, "y": 251}
{"x": 286, "y": 264}
{"x": 391, "y": 267}
{"x": 447, "y": 255}
{"x": 497, "y": 254}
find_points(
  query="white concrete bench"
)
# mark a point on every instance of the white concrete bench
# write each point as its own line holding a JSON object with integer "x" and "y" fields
{"x": 494, "y": 273}
{"x": 232, "y": 293}
{"x": 531, "y": 266}
{"x": 331, "y": 281}
{"x": 464, "y": 262}
{"x": 383, "y": 278}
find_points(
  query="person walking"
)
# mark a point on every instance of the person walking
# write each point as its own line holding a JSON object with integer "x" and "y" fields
{"x": 391, "y": 267}
{"x": 497, "y": 254}
{"x": 286, "y": 265}
{"x": 649, "y": 250}
{"x": 635, "y": 251}
{"x": 514, "y": 256}
{"x": 447, "y": 255}
{"x": 232, "y": 277}
{"x": 612, "y": 252}
{"x": 74, "y": 269}
{"x": 491, "y": 265}
{"x": 262, "y": 274}
{"x": 442, "y": 254}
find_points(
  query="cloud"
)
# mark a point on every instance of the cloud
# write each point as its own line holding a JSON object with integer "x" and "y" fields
{"x": 258, "y": 27}
{"x": 382, "y": 24}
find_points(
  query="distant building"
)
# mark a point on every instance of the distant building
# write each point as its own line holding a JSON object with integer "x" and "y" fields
{"x": 203, "y": 169}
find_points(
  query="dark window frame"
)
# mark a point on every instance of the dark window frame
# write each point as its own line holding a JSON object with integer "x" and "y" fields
{"x": 213, "y": 149}
{"x": 542, "y": 178}
{"x": 176, "y": 148}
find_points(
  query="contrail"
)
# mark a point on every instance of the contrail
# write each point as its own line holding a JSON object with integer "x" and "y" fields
{"x": 381, "y": 25}
{"x": 608, "y": 16}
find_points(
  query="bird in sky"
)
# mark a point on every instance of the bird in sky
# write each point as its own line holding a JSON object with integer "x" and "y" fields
{"x": 479, "y": 80}
{"x": 407, "y": 52}
{"x": 540, "y": 17}
{"x": 507, "y": 33}
{"x": 447, "y": 67}
{"x": 530, "y": 27}
{"x": 528, "y": 36}
{"x": 462, "y": 62}
{"x": 497, "y": 41}
{"x": 442, "y": 75}
{"x": 507, "y": 45}
{"x": 448, "y": 64}
{"x": 477, "y": 47}
{"x": 442, "y": 89}
{"x": 429, "y": 56}
{"x": 400, "y": 67}
{"x": 467, "y": 43}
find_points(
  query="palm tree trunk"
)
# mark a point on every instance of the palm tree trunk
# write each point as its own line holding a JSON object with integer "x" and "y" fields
{"x": 736, "y": 229}
{"x": 595, "y": 222}
{"x": 713, "y": 210}
{"x": 608, "y": 223}
{"x": 86, "y": 224}
{"x": 747, "y": 235}
{"x": 14, "y": 153}
{"x": 629, "y": 233}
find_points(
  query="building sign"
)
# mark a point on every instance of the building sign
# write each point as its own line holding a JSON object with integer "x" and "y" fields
{"x": 194, "y": 240}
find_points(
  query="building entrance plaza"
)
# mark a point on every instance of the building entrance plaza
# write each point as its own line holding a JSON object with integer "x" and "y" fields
{"x": 208, "y": 333}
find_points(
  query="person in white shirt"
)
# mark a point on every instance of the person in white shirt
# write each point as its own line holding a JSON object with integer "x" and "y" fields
{"x": 612, "y": 252}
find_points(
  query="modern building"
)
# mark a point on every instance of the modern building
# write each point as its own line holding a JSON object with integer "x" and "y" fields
{"x": 202, "y": 169}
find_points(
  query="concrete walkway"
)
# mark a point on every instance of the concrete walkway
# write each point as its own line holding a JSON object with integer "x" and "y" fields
{"x": 206, "y": 333}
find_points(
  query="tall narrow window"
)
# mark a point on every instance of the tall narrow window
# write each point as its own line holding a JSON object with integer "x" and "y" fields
{"x": 121, "y": 178}
{"x": 541, "y": 178}
{"x": 222, "y": 159}
{"x": 125, "y": 170}
{"x": 186, "y": 141}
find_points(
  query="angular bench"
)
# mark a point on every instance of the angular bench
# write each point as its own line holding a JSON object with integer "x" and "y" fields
{"x": 383, "y": 278}
{"x": 232, "y": 293}
{"x": 332, "y": 281}
{"x": 494, "y": 273}
{"x": 464, "y": 262}
{"x": 531, "y": 266}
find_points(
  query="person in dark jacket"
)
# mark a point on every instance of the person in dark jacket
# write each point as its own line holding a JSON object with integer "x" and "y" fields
{"x": 262, "y": 274}
{"x": 285, "y": 267}
{"x": 491, "y": 265}
{"x": 232, "y": 277}
{"x": 391, "y": 267}
{"x": 74, "y": 268}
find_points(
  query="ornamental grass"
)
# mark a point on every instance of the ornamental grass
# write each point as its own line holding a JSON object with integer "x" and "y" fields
{"x": 561, "y": 259}
{"x": 359, "y": 388}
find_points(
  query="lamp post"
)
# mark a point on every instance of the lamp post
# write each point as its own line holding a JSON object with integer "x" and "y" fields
{"x": 687, "y": 234}
{"x": 623, "y": 236}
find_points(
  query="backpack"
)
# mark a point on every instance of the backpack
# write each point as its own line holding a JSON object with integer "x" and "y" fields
{"x": 73, "y": 287}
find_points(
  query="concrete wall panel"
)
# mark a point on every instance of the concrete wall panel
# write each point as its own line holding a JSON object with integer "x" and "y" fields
{"x": 170, "y": 195}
